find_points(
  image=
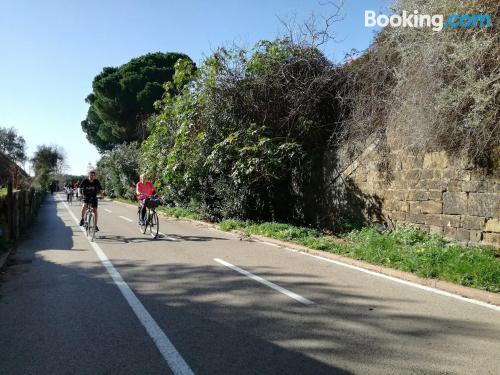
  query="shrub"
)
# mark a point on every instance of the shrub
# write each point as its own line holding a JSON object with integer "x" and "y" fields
{"x": 419, "y": 90}
{"x": 118, "y": 171}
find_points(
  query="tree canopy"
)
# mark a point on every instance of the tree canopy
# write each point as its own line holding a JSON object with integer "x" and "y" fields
{"x": 46, "y": 161}
{"x": 12, "y": 145}
{"x": 246, "y": 136}
{"x": 123, "y": 98}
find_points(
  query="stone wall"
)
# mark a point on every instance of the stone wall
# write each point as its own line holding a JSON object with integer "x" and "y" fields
{"x": 437, "y": 193}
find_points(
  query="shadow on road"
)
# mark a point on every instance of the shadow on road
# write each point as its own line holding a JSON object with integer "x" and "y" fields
{"x": 110, "y": 238}
{"x": 223, "y": 323}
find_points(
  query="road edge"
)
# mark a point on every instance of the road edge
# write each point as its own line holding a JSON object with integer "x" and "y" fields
{"x": 5, "y": 255}
{"x": 460, "y": 290}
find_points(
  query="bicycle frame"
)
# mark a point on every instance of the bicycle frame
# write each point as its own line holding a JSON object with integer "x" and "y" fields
{"x": 89, "y": 222}
{"x": 150, "y": 220}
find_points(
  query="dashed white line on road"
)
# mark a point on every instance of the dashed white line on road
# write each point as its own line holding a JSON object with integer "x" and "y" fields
{"x": 125, "y": 218}
{"x": 168, "y": 237}
{"x": 168, "y": 351}
{"x": 271, "y": 285}
{"x": 108, "y": 210}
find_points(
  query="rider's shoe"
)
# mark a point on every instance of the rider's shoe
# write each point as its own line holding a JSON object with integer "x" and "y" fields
{"x": 96, "y": 228}
{"x": 81, "y": 223}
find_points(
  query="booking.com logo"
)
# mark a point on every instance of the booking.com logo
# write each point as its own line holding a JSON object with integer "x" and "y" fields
{"x": 436, "y": 22}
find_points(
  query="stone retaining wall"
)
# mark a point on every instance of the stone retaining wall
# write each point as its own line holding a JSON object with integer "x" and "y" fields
{"x": 433, "y": 191}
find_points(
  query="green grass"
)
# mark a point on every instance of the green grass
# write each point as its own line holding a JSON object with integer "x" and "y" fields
{"x": 412, "y": 250}
{"x": 408, "y": 249}
{"x": 309, "y": 237}
{"x": 178, "y": 212}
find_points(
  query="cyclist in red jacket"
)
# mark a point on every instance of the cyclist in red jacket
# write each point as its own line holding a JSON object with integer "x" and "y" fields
{"x": 144, "y": 190}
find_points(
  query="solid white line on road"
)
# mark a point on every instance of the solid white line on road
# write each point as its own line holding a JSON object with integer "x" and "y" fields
{"x": 125, "y": 218}
{"x": 170, "y": 354}
{"x": 108, "y": 210}
{"x": 409, "y": 283}
{"x": 259, "y": 279}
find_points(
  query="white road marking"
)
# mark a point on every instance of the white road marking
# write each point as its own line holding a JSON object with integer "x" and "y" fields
{"x": 125, "y": 218}
{"x": 170, "y": 354}
{"x": 108, "y": 210}
{"x": 168, "y": 237}
{"x": 259, "y": 279}
{"x": 270, "y": 244}
{"x": 405, "y": 282}
{"x": 373, "y": 273}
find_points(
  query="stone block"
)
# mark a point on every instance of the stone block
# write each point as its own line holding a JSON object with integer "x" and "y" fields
{"x": 493, "y": 225}
{"x": 427, "y": 174}
{"x": 416, "y": 218}
{"x": 450, "y": 232}
{"x": 426, "y": 207}
{"x": 472, "y": 186}
{"x": 433, "y": 220}
{"x": 476, "y": 236}
{"x": 435, "y": 229}
{"x": 397, "y": 216}
{"x": 436, "y": 185}
{"x": 448, "y": 174}
{"x": 472, "y": 222}
{"x": 436, "y": 160}
{"x": 435, "y": 195}
{"x": 450, "y": 221}
{"x": 413, "y": 175}
{"x": 464, "y": 176}
{"x": 454, "y": 203}
{"x": 462, "y": 235}
{"x": 418, "y": 195}
{"x": 454, "y": 186}
{"x": 482, "y": 204}
{"x": 492, "y": 239}
{"x": 397, "y": 195}
{"x": 421, "y": 184}
{"x": 396, "y": 206}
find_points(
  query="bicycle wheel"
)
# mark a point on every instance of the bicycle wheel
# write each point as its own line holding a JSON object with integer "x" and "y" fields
{"x": 154, "y": 224}
{"x": 142, "y": 227}
{"x": 86, "y": 223}
{"x": 91, "y": 227}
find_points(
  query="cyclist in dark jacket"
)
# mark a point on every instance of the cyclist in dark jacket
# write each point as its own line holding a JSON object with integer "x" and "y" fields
{"x": 89, "y": 188}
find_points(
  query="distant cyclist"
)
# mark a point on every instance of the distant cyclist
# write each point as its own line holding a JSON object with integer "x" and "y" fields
{"x": 144, "y": 190}
{"x": 89, "y": 188}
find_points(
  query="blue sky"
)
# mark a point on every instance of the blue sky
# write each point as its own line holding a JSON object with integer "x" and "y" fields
{"x": 51, "y": 50}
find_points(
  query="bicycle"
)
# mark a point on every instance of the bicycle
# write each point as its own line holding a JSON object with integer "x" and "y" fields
{"x": 89, "y": 223}
{"x": 151, "y": 220}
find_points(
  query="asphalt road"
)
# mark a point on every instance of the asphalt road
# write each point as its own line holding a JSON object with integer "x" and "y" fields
{"x": 201, "y": 301}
